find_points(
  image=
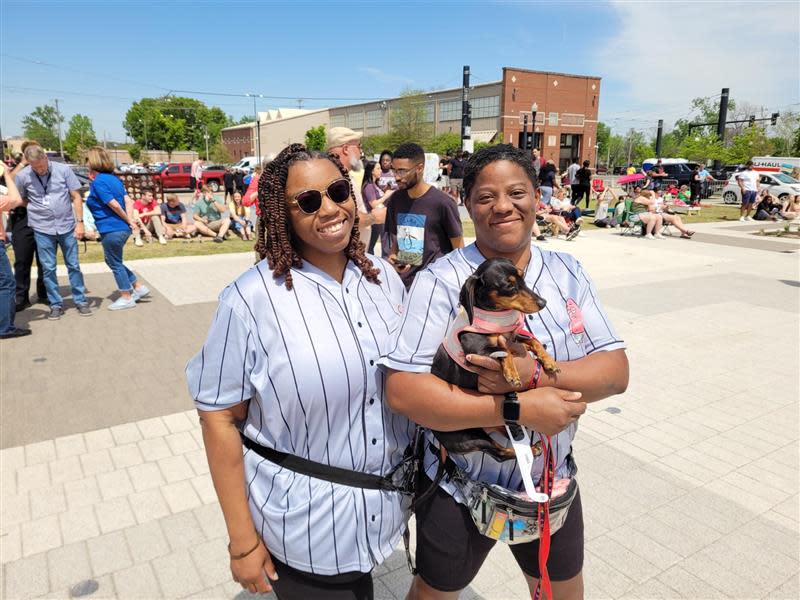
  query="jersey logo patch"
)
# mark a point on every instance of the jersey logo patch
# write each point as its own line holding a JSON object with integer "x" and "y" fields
{"x": 575, "y": 321}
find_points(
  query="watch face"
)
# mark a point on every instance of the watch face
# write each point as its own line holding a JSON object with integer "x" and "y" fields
{"x": 511, "y": 410}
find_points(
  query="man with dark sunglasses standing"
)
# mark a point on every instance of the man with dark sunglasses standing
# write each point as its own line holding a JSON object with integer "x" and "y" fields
{"x": 422, "y": 221}
{"x": 345, "y": 144}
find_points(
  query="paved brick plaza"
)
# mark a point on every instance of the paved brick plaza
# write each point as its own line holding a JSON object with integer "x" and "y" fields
{"x": 690, "y": 489}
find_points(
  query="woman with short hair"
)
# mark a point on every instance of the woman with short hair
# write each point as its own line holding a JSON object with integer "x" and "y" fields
{"x": 112, "y": 210}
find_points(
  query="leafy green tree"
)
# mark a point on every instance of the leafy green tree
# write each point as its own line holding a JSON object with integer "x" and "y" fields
{"x": 315, "y": 138}
{"x": 375, "y": 144}
{"x": 603, "y": 139}
{"x": 80, "y": 136}
{"x": 135, "y": 150}
{"x": 174, "y": 123}
{"x": 42, "y": 125}
{"x": 219, "y": 154}
{"x": 408, "y": 119}
{"x": 446, "y": 142}
{"x": 701, "y": 148}
{"x": 245, "y": 119}
{"x": 753, "y": 141}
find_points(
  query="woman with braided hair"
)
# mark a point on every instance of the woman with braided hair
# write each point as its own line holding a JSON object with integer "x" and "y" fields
{"x": 290, "y": 370}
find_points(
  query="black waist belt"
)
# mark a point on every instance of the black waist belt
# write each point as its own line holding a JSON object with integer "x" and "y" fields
{"x": 317, "y": 470}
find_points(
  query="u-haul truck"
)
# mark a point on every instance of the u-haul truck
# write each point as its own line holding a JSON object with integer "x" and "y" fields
{"x": 778, "y": 164}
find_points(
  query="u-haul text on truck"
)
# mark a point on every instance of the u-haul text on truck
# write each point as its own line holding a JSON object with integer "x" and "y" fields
{"x": 778, "y": 164}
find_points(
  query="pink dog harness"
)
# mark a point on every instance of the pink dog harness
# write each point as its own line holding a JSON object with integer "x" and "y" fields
{"x": 485, "y": 322}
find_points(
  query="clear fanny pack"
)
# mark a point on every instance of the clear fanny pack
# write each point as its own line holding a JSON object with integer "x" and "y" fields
{"x": 511, "y": 517}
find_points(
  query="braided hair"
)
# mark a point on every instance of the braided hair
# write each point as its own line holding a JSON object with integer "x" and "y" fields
{"x": 276, "y": 240}
{"x": 490, "y": 154}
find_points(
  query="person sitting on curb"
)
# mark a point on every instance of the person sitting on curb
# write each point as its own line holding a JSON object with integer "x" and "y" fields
{"x": 767, "y": 208}
{"x": 147, "y": 218}
{"x": 176, "y": 223}
{"x": 791, "y": 208}
{"x": 210, "y": 217}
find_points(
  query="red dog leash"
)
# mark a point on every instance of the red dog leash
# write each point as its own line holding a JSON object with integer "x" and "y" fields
{"x": 543, "y": 516}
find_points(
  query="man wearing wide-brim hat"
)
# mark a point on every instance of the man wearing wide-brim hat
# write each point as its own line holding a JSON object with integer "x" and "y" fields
{"x": 345, "y": 144}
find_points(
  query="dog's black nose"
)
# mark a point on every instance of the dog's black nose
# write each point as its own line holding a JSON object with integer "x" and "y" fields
{"x": 542, "y": 303}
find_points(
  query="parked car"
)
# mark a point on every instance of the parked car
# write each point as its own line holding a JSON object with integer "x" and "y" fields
{"x": 176, "y": 176}
{"x": 680, "y": 172}
{"x": 779, "y": 185}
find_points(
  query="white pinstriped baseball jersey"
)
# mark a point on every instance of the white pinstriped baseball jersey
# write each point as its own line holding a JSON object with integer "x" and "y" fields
{"x": 572, "y": 325}
{"x": 308, "y": 359}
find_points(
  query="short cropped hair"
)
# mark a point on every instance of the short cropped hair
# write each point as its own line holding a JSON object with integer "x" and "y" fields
{"x": 410, "y": 151}
{"x": 97, "y": 159}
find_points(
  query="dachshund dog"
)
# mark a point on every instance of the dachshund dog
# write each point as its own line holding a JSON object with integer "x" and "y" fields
{"x": 493, "y": 301}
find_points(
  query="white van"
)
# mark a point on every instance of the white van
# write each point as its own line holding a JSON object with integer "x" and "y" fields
{"x": 248, "y": 163}
{"x": 790, "y": 165}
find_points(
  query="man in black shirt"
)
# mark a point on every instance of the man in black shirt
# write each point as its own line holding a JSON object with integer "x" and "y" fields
{"x": 422, "y": 222}
{"x": 457, "y": 166}
{"x": 227, "y": 180}
{"x": 582, "y": 187}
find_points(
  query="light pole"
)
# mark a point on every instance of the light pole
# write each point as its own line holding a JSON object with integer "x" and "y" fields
{"x": 58, "y": 122}
{"x": 534, "y": 110}
{"x": 257, "y": 125}
{"x": 596, "y": 151}
{"x": 143, "y": 122}
{"x": 206, "y": 136}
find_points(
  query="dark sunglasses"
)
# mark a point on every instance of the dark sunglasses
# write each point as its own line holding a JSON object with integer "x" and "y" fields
{"x": 310, "y": 201}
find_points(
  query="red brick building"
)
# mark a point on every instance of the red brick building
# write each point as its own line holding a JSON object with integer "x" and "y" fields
{"x": 566, "y": 118}
{"x": 238, "y": 140}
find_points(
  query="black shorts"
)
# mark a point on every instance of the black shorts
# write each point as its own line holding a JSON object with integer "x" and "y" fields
{"x": 294, "y": 584}
{"x": 451, "y": 550}
{"x": 192, "y": 183}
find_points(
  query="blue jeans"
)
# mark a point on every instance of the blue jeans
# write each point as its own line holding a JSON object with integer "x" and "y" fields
{"x": 547, "y": 193}
{"x": 113, "y": 244}
{"x": 8, "y": 288}
{"x": 48, "y": 246}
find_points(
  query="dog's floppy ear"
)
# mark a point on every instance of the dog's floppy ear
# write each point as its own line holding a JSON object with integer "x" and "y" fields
{"x": 467, "y": 297}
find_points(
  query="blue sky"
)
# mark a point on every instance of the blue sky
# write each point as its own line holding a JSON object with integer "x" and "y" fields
{"x": 654, "y": 57}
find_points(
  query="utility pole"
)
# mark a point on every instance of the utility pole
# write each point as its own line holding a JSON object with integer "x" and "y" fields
{"x": 721, "y": 121}
{"x": 658, "y": 137}
{"x": 58, "y": 122}
{"x": 206, "y": 136}
{"x": 466, "y": 119}
{"x": 257, "y": 126}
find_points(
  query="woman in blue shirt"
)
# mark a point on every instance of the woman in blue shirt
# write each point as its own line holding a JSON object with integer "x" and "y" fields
{"x": 110, "y": 205}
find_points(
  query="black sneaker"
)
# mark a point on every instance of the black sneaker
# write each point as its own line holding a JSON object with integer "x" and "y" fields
{"x": 20, "y": 306}
{"x": 42, "y": 300}
{"x": 55, "y": 313}
{"x": 574, "y": 231}
{"x": 15, "y": 333}
{"x": 84, "y": 310}
{"x": 218, "y": 239}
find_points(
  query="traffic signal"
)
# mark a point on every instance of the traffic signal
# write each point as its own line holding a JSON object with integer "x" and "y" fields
{"x": 774, "y": 119}
{"x": 752, "y": 120}
{"x": 526, "y": 140}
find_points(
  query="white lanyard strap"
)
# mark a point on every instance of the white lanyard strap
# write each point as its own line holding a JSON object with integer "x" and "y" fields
{"x": 521, "y": 441}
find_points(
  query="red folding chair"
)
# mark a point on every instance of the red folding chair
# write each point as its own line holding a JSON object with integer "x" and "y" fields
{"x": 598, "y": 186}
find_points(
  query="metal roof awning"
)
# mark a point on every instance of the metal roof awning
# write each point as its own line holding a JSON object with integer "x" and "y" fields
{"x": 483, "y": 136}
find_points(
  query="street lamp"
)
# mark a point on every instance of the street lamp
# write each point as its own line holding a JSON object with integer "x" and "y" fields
{"x": 206, "y": 136}
{"x": 257, "y": 125}
{"x": 596, "y": 151}
{"x": 525, "y": 147}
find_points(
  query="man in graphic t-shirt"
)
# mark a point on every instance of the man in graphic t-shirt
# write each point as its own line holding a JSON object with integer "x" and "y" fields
{"x": 422, "y": 221}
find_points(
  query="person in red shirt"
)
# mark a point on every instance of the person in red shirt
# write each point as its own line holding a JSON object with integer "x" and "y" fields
{"x": 147, "y": 218}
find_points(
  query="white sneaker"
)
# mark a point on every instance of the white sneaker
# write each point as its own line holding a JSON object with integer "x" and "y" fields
{"x": 138, "y": 242}
{"x": 741, "y": 219}
{"x": 748, "y": 219}
{"x": 162, "y": 240}
{"x": 141, "y": 292}
{"x": 659, "y": 236}
{"x": 123, "y": 304}
{"x": 650, "y": 237}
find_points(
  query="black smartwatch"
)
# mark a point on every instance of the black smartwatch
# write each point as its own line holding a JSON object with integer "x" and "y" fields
{"x": 511, "y": 408}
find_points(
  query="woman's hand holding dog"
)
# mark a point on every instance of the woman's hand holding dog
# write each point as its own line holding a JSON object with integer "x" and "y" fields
{"x": 548, "y": 410}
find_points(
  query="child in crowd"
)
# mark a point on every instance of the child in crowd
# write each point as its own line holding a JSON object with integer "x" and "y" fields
{"x": 176, "y": 222}
{"x": 601, "y": 216}
{"x": 147, "y": 219}
{"x": 239, "y": 222}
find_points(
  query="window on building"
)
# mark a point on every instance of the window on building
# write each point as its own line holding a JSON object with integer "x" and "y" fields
{"x": 483, "y": 108}
{"x": 429, "y": 112}
{"x": 450, "y": 110}
{"x": 553, "y": 119}
{"x": 337, "y": 121}
{"x": 355, "y": 120}
{"x": 375, "y": 118}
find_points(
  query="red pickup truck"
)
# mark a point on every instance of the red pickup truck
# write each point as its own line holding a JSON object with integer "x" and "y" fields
{"x": 176, "y": 176}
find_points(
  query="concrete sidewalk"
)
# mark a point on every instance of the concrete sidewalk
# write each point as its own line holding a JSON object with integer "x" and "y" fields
{"x": 689, "y": 480}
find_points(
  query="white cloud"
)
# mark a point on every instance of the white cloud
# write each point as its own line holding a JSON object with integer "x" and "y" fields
{"x": 384, "y": 77}
{"x": 664, "y": 54}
